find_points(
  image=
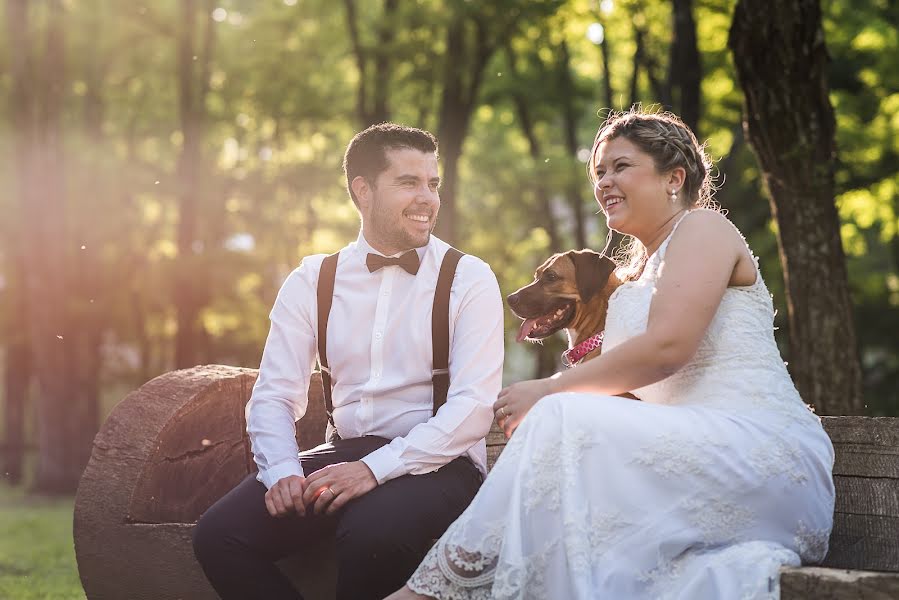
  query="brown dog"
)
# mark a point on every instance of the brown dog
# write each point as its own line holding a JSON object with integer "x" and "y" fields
{"x": 570, "y": 291}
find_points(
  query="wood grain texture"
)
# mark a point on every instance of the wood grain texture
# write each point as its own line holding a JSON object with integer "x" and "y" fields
{"x": 817, "y": 583}
{"x": 866, "y": 478}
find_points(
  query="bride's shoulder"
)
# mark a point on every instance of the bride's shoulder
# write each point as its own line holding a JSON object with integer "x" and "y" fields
{"x": 709, "y": 225}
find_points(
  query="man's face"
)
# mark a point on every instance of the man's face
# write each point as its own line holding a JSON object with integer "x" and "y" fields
{"x": 400, "y": 210}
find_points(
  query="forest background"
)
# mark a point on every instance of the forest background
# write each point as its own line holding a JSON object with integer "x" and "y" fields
{"x": 166, "y": 164}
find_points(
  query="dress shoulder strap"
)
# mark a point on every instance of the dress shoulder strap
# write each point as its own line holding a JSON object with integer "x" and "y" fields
{"x": 664, "y": 247}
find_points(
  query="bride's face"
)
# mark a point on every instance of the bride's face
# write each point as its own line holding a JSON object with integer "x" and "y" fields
{"x": 629, "y": 189}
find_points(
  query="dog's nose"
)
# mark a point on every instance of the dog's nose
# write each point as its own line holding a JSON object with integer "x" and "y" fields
{"x": 513, "y": 300}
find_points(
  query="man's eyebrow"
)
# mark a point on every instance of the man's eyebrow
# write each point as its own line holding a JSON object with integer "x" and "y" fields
{"x": 402, "y": 178}
{"x": 406, "y": 177}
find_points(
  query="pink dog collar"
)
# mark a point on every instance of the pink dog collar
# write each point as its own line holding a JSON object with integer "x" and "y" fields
{"x": 573, "y": 355}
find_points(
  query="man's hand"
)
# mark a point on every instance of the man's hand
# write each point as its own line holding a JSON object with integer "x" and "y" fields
{"x": 333, "y": 486}
{"x": 286, "y": 496}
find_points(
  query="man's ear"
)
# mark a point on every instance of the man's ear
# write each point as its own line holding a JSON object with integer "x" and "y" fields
{"x": 362, "y": 190}
{"x": 592, "y": 271}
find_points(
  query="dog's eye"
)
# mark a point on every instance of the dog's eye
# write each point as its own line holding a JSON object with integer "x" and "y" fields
{"x": 550, "y": 276}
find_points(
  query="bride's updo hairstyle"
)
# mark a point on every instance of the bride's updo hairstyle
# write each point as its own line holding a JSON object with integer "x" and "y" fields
{"x": 671, "y": 144}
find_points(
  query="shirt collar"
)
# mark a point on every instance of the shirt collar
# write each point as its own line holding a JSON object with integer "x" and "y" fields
{"x": 363, "y": 248}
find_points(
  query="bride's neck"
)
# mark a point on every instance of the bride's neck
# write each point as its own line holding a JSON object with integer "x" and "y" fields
{"x": 654, "y": 239}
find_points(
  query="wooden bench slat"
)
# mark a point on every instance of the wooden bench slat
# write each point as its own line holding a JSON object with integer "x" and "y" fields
{"x": 818, "y": 583}
{"x": 864, "y": 542}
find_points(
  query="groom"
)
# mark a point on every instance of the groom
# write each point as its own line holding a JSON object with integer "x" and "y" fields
{"x": 407, "y": 451}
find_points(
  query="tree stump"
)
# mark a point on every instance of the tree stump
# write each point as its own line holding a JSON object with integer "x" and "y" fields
{"x": 166, "y": 453}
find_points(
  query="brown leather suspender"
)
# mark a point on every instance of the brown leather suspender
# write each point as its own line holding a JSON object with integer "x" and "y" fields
{"x": 439, "y": 329}
{"x": 324, "y": 294}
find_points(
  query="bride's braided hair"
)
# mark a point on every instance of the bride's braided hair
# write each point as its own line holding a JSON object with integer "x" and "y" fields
{"x": 671, "y": 144}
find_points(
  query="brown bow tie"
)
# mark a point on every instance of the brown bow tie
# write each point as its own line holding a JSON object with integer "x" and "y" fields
{"x": 408, "y": 261}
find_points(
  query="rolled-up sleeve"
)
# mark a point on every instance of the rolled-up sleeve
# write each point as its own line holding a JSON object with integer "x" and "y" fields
{"x": 279, "y": 397}
{"x": 475, "y": 366}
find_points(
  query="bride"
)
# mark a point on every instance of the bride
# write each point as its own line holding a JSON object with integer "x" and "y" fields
{"x": 704, "y": 488}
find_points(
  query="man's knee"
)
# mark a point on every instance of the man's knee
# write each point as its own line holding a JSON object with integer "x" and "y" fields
{"x": 373, "y": 538}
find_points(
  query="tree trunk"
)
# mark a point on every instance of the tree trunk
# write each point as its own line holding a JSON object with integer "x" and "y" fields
{"x": 18, "y": 360}
{"x": 469, "y": 47}
{"x": 685, "y": 66}
{"x": 781, "y": 62}
{"x": 569, "y": 121}
{"x": 453, "y": 123}
{"x": 88, "y": 283}
{"x": 643, "y": 58}
{"x": 36, "y": 109}
{"x": 546, "y": 218}
{"x": 190, "y": 293}
{"x": 18, "y": 365}
{"x": 605, "y": 53}
{"x": 372, "y": 108}
{"x": 386, "y": 34}
{"x": 635, "y": 74}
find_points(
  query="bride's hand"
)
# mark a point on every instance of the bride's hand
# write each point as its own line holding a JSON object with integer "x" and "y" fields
{"x": 514, "y": 402}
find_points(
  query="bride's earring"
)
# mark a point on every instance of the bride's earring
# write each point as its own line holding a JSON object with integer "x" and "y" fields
{"x": 673, "y": 196}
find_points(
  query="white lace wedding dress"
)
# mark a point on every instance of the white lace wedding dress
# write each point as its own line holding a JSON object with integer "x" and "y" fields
{"x": 699, "y": 492}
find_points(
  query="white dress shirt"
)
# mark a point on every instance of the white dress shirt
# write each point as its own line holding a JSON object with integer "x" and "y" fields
{"x": 379, "y": 351}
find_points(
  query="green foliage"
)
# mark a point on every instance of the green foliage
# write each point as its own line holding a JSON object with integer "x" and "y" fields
{"x": 864, "y": 44}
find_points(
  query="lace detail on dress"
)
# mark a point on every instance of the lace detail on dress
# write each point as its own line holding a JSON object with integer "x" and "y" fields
{"x": 811, "y": 543}
{"x": 782, "y": 457}
{"x": 552, "y": 470}
{"x": 431, "y": 580}
{"x": 671, "y": 455}
{"x": 719, "y": 521}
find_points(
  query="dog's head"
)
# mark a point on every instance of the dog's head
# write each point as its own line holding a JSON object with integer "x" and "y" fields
{"x": 569, "y": 290}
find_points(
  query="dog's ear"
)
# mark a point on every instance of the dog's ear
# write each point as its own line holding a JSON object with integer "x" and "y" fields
{"x": 592, "y": 271}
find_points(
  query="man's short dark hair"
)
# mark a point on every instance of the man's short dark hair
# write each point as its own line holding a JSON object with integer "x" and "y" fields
{"x": 366, "y": 155}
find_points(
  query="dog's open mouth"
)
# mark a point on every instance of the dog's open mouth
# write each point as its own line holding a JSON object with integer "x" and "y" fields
{"x": 546, "y": 325}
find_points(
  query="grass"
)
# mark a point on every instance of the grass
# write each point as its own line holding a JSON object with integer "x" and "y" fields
{"x": 37, "y": 557}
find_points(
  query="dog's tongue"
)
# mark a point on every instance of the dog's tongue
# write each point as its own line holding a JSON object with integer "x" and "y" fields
{"x": 526, "y": 327}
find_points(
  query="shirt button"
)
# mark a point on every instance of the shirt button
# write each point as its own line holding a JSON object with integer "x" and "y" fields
{"x": 378, "y": 335}
{"x": 377, "y": 374}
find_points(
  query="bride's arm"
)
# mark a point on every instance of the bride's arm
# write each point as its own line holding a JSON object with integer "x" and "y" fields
{"x": 698, "y": 266}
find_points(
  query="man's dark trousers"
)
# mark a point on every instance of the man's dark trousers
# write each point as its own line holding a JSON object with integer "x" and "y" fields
{"x": 381, "y": 537}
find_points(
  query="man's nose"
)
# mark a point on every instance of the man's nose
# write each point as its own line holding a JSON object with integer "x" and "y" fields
{"x": 426, "y": 195}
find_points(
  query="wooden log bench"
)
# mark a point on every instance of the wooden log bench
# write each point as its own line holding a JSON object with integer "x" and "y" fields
{"x": 170, "y": 449}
